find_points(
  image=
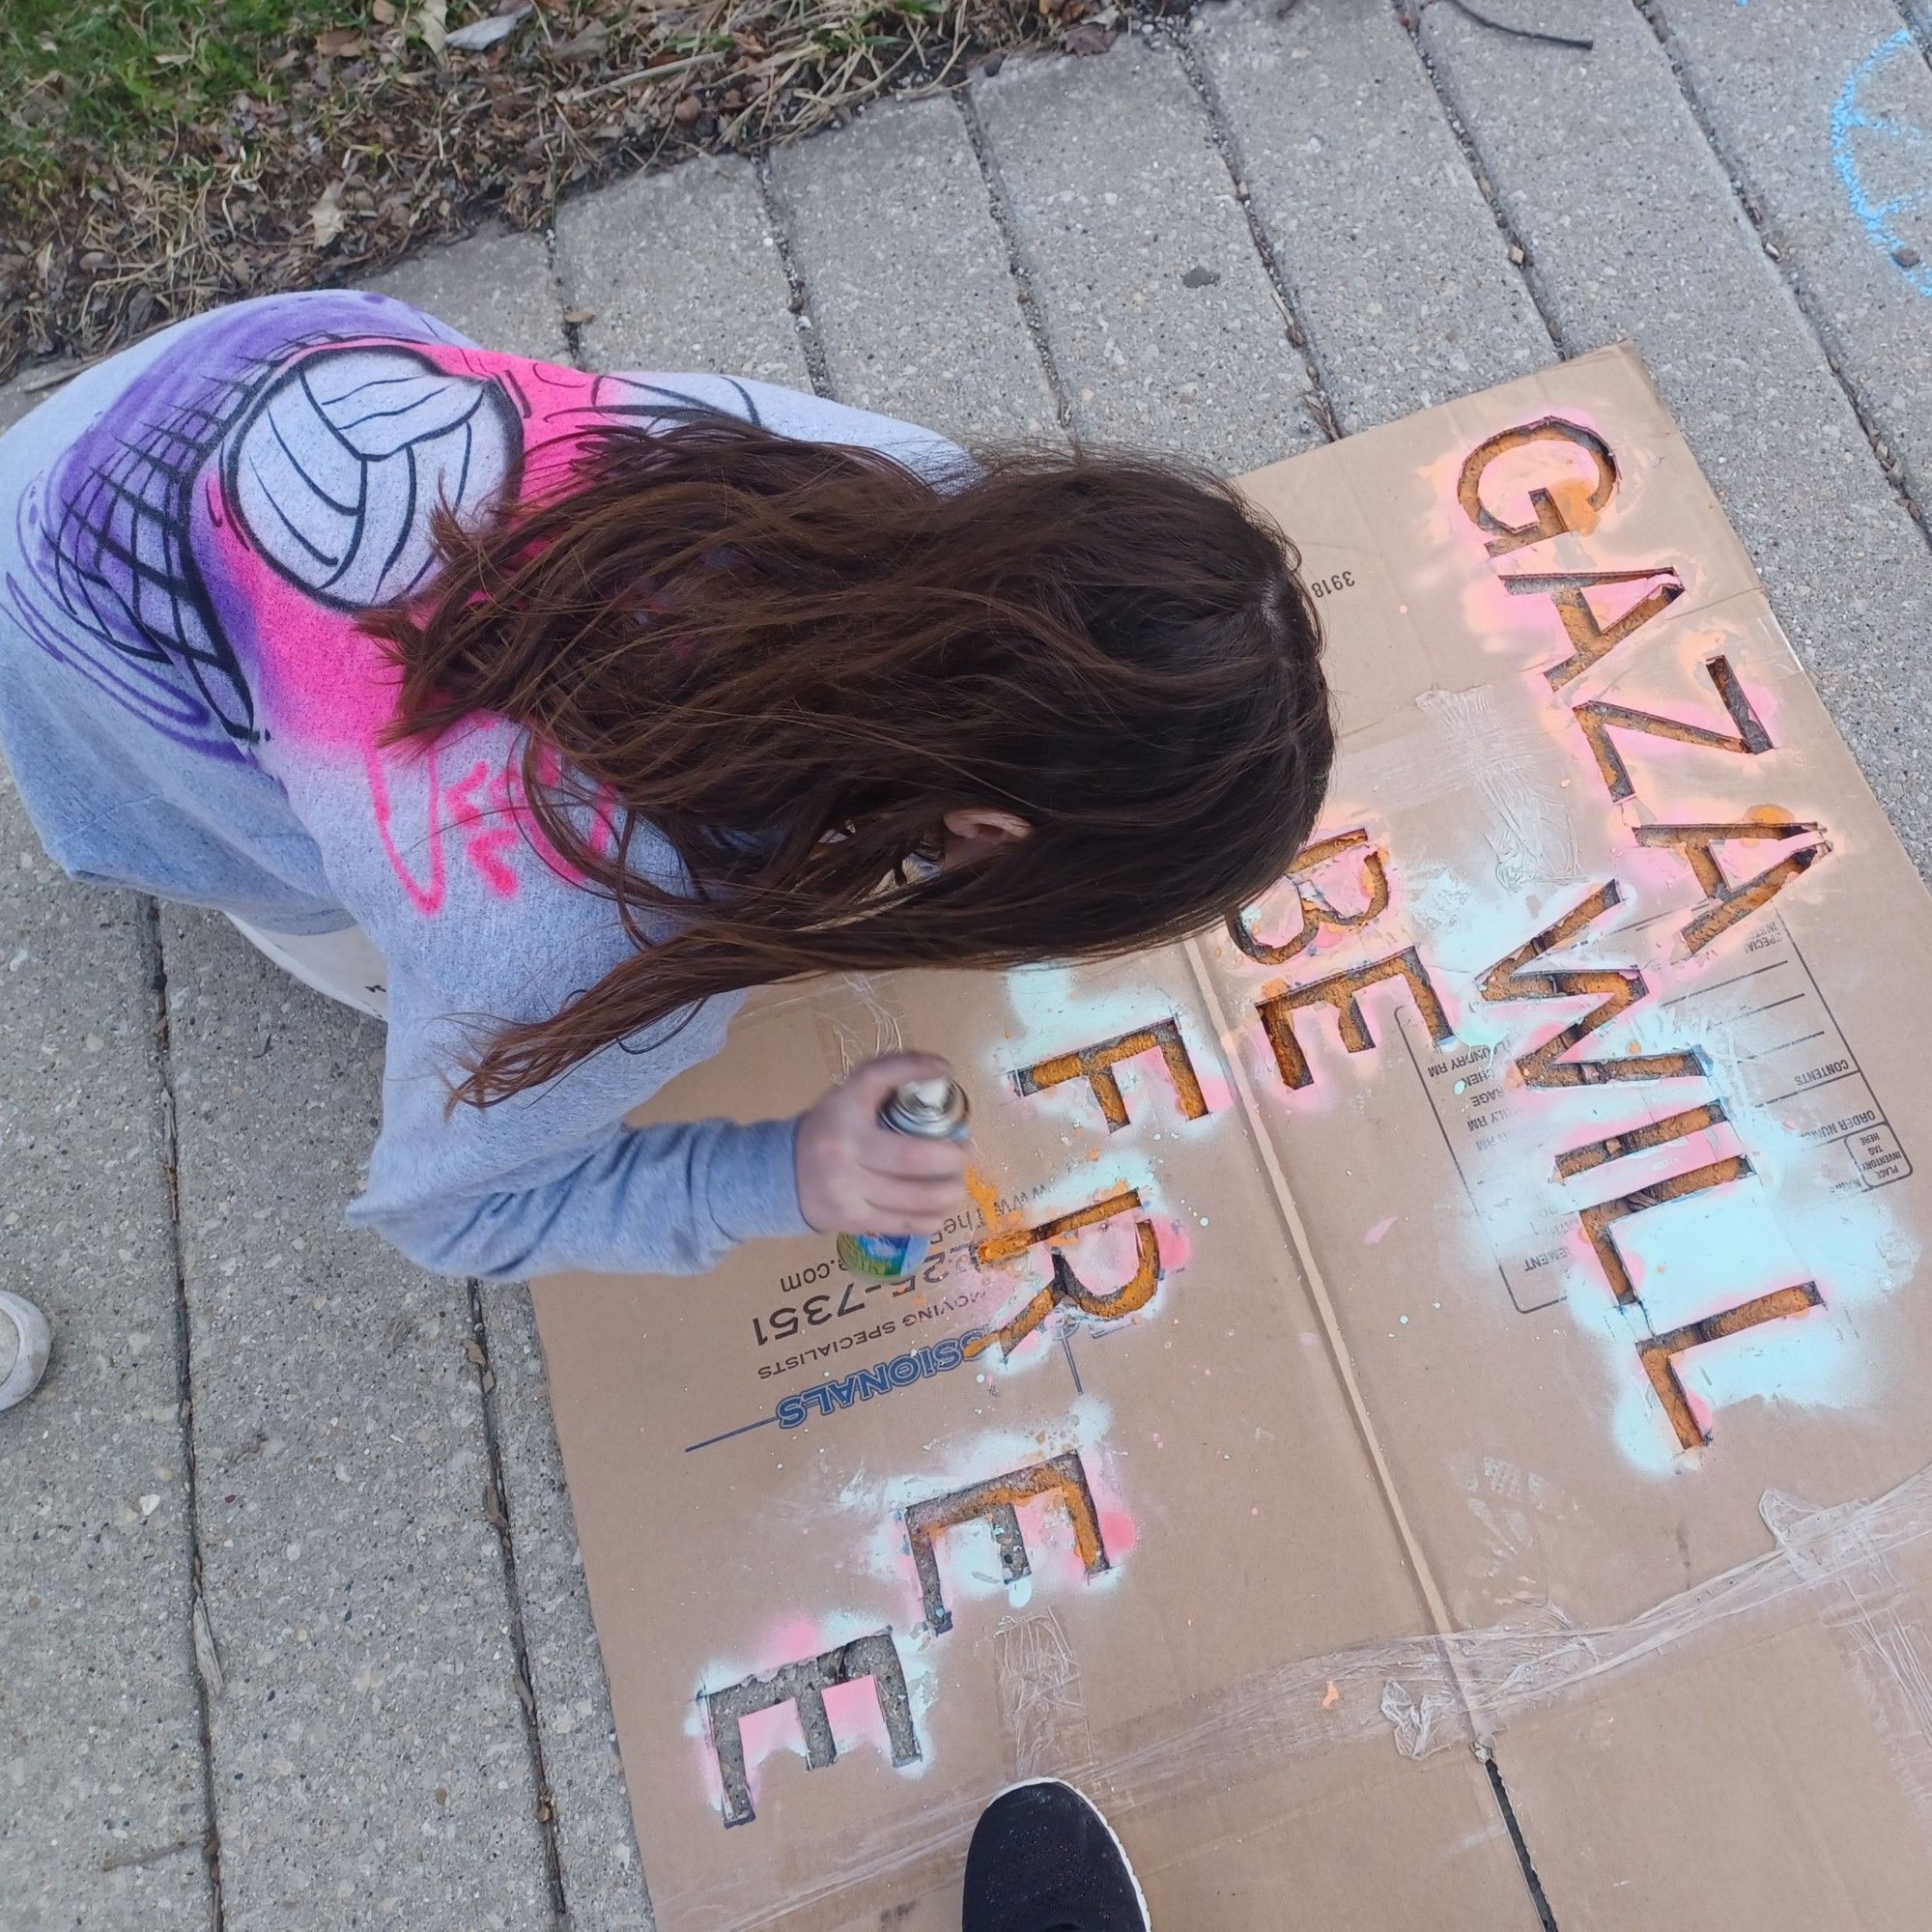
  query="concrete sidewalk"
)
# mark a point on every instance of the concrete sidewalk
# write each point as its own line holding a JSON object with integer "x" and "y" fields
{"x": 293, "y": 1633}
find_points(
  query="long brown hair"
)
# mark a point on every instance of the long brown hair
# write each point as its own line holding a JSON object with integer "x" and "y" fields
{"x": 788, "y": 660}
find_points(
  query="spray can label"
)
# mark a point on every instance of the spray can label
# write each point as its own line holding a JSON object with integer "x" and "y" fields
{"x": 882, "y": 1257}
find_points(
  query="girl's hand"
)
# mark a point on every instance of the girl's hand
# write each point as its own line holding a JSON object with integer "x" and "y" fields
{"x": 857, "y": 1177}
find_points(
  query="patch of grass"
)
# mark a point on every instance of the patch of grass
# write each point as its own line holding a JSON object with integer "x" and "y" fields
{"x": 129, "y": 69}
{"x": 158, "y": 156}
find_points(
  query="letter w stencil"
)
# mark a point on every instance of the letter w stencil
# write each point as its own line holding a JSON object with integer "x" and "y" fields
{"x": 1614, "y": 988}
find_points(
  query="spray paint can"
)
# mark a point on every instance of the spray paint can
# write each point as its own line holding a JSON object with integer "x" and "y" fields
{"x": 930, "y": 1110}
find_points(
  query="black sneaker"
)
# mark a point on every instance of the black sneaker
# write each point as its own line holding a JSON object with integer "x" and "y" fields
{"x": 1043, "y": 1859}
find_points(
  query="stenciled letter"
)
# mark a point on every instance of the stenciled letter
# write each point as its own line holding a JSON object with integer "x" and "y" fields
{"x": 1315, "y": 911}
{"x": 1095, "y": 1066}
{"x": 1598, "y": 719}
{"x": 805, "y": 1684}
{"x": 1343, "y": 991}
{"x": 1060, "y": 1479}
{"x": 1065, "y": 1286}
{"x": 1614, "y": 988}
{"x": 1725, "y": 903}
{"x": 1548, "y": 517}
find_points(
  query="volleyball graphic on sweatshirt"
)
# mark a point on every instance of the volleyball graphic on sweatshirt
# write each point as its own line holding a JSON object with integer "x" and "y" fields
{"x": 337, "y": 469}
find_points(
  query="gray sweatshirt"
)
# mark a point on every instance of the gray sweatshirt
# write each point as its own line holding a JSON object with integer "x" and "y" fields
{"x": 186, "y": 534}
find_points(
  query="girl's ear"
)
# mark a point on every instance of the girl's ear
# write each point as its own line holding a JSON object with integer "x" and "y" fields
{"x": 973, "y": 830}
{"x": 985, "y": 825}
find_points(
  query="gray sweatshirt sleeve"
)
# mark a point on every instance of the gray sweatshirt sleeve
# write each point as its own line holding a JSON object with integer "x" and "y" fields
{"x": 551, "y": 1180}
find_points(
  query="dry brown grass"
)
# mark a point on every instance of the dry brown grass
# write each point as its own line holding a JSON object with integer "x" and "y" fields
{"x": 352, "y": 146}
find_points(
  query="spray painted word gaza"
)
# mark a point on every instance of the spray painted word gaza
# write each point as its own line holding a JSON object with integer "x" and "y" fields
{"x": 1565, "y": 506}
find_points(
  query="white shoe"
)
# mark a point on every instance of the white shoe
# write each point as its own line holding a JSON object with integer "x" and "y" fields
{"x": 24, "y": 1342}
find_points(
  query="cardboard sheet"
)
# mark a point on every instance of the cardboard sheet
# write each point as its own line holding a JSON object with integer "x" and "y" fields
{"x": 1366, "y": 1371}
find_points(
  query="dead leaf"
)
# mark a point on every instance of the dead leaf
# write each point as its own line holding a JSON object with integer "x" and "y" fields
{"x": 473, "y": 1352}
{"x": 1332, "y": 1697}
{"x": 326, "y": 217}
{"x": 431, "y": 24}
{"x": 1088, "y": 38}
{"x": 486, "y": 33}
{"x": 578, "y": 317}
{"x": 384, "y": 12}
{"x": 340, "y": 43}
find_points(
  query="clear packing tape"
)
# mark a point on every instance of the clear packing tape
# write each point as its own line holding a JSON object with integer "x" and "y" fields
{"x": 1421, "y": 1692}
{"x": 1424, "y": 1694}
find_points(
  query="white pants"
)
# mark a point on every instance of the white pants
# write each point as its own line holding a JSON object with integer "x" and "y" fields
{"x": 345, "y": 965}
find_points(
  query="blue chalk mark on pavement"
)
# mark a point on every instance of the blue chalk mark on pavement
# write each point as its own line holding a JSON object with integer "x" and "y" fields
{"x": 1884, "y": 157}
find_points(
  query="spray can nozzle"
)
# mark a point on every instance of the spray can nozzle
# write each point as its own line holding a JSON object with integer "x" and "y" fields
{"x": 933, "y": 1110}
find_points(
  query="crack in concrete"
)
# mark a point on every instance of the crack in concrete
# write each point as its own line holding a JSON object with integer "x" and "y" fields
{"x": 513, "y": 1596}
{"x": 1000, "y": 203}
{"x": 1518, "y": 249}
{"x": 1518, "y": 1842}
{"x": 166, "y": 1117}
{"x": 1318, "y": 400}
{"x": 1920, "y": 29}
{"x": 779, "y": 219}
{"x": 559, "y": 302}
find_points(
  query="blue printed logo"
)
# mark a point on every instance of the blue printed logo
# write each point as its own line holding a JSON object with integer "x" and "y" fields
{"x": 881, "y": 1378}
